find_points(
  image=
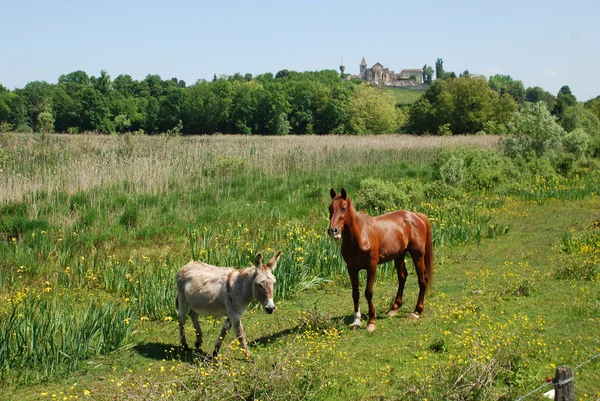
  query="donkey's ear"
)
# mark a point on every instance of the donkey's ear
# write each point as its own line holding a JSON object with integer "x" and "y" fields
{"x": 344, "y": 194}
{"x": 258, "y": 260}
{"x": 332, "y": 193}
{"x": 273, "y": 262}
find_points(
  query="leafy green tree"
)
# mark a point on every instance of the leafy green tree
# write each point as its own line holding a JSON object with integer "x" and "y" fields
{"x": 593, "y": 105}
{"x": 282, "y": 74}
{"x": 122, "y": 123}
{"x": 578, "y": 116}
{"x": 535, "y": 132}
{"x": 45, "y": 122}
{"x": 38, "y": 98}
{"x": 102, "y": 83}
{"x": 248, "y": 77}
{"x": 331, "y": 109}
{"x": 372, "y": 111}
{"x": 465, "y": 74}
{"x": 439, "y": 69}
{"x": 468, "y": 105}
{"x": 564, "y": 99}
{"x": 449, "y": 75}
{"x": 536, "y": 94}
{"x": 505, "y": 84}
{"x": 427, "y": 74}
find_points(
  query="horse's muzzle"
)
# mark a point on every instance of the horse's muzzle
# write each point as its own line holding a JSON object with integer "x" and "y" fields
{"x": 269, "y": 309}
{"x": 334, "y": 232}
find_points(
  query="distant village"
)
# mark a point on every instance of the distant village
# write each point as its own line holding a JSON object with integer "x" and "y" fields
{"x": 381, "y": 76}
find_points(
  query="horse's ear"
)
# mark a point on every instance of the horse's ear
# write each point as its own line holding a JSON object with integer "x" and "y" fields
{"x": 344, "y": 194}
{"x": 332, "y": 193}
{"x": 258, "y": 260}
{"x": 273, "y": 262}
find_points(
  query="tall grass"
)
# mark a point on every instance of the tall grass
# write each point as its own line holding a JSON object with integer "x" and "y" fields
{"x": 98, "y": 226}
{"x": 44, "y": 335}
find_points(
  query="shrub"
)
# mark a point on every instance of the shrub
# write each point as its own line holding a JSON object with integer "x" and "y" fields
{"x": 5, "y": 126}
{"x": 535, "y": 131}
{"x": 24, "y": 128}
{"x": 576, "y": 142}
{"x": 578, "y": 116}
{"x": 375, "y": 194}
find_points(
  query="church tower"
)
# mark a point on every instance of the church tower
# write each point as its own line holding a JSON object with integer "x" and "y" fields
{"x": 363, "y": 69}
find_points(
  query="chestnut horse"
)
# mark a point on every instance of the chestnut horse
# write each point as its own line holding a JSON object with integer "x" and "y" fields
{"x": 369, "y": 241}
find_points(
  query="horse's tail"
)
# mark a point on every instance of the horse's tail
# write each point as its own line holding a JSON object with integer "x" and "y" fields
{"x": 428, "y": 249}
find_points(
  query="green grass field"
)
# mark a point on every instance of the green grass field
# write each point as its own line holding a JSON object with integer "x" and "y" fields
{"x": 404, "y": 95}
{"x": 94, "y": 228}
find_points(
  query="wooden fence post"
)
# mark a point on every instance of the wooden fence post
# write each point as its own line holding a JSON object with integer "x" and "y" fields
{"x": 564, "y": 387}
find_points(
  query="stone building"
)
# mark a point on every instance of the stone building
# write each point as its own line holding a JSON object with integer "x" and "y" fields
{"x": 379, "y": 75}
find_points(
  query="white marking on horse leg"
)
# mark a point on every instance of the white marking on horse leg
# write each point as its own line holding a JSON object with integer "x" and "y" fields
{"x": 356, "y": 322}
{"x": 413, "y": 316}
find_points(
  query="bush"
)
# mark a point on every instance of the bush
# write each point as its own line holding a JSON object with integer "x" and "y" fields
{"x": 578, "y": 116}
{"x": 534, "y": 132}
{"x": 576, "y": 142}
{"x": 453, "y": 171}
{"x": 375, "y": 194}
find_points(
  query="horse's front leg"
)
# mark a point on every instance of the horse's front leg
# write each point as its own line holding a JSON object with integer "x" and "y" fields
{"x": 369, "y": 295}
{"x": 355, "y": 297}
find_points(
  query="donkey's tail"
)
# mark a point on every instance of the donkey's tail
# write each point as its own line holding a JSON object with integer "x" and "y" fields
{"x": 428, "y": 249}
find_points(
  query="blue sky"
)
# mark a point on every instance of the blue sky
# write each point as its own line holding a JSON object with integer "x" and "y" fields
{"x": 542, "y": 43}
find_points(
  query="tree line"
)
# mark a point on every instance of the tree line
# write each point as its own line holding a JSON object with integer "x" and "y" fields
{"x": 286, "y": 103}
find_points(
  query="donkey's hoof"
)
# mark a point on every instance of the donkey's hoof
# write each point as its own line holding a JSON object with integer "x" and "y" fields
{"x": 413, "y": 316}
{"x": 392, "y": 312}
{"x": 371, "y": 327}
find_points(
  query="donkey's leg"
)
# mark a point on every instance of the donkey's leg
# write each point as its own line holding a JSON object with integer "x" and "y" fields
{"x": 402, "y": 273}
{"x": 194, "y": 316}
{"x": 371, "y": 271}
{"x": 224, "y": 330}
{"x": 240, "y": 333}
{"x": 421, "y": 269}
{"x": 355, "y": 296}
{"x": 182, "y": 308}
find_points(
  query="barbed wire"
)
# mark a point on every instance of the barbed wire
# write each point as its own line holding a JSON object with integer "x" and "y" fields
{"x": 553, "y": 380}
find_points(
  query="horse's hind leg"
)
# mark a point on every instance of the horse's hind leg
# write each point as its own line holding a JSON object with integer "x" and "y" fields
{"x": 421, "y": 269}
{"x": 194, "y": 316}
{"x": 402, "y": 273}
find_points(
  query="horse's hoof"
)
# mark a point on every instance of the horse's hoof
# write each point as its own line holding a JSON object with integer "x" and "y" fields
{"x": 371, "y": 327}
{"x": 413, "y": 316}
{"x": 356, "y": 325}
{"x": 392, "y": 312}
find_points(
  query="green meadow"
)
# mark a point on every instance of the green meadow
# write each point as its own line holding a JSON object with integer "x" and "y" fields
{"x": 404, "y": 95}
{"x": 94, "y": 228}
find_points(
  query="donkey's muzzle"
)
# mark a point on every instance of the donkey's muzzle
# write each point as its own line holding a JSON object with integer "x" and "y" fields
{"x": 269, "y": 306}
